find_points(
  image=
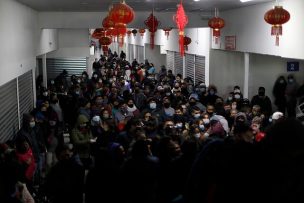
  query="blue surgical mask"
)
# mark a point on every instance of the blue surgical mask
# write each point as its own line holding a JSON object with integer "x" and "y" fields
{"x": 197, "y": 115}
{"x": 202, "y": 127}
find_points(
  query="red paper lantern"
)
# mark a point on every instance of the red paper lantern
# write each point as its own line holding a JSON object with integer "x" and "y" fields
{"x": 121, "y": 30}
{"x": 105, "y": 42}
{"x": 108, "y": 23}
{"x": 216, "y": 24}
{"x": 152, "y": 23}
{"x": 142, "y": 32}
{"x": 181, "y": 21}
{"x": 167, "y": 31}
{"x": 100, "y": 32}
{"x": 122, "y": 13}
{"x": 134, "y": 32}
{"x": 129, "y": 32}
{"x": 187, "y": 41}
{"x": 276, "y": 17}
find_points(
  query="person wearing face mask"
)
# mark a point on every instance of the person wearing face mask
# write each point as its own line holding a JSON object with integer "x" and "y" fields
{"x": 237, "y": 94}
{"x": 132, "y": 108}
{"x": 195, "y": 115}
{"x": 263, "y": 101}
{"x": 139, "y": 97}
{"x": 29, "y": 133}
{"x": 278, "y": 92}
{"x": 193, "y": 102}
{"x": 81, "y": 138}
{"x": 212, "y": 95}
{"x": 290, "y": 95}
{"x": 167, "y": 111}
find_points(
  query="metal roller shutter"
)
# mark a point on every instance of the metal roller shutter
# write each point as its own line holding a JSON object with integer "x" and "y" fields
{"x": 26, "y": 102}
{"x": 140, "y": 54}
{"x": 190, "y": 65}
{"x": 199, "y": 69}
{"x": 74, "y": 66}
{"x": 9, "y": 124}
{"x": 170, "y": 60}
{"x": 178, "y": 64}
{"x": 131, "y": 52}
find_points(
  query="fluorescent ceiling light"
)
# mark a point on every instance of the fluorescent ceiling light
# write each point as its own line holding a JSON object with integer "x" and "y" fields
{"x": 196, "y": 0}
{"x": 243, "y": 1}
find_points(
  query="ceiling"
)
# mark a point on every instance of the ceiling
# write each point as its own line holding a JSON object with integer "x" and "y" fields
{"x": 137, "y": 5}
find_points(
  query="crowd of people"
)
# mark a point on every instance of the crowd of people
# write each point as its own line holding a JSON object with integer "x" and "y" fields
{"x": 129, "y": 134}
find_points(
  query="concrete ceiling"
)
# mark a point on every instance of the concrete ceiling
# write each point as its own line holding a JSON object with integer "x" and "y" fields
{"x": 137, "y": 5}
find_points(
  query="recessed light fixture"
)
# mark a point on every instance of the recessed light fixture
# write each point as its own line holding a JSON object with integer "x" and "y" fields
{"x": 243, "y": 1}
{"x": 196, "y": 0}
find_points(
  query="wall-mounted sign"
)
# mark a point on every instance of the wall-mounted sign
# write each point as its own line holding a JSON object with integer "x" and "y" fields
{"x": 292, "y": 66}
{"x": 230, "y": 42}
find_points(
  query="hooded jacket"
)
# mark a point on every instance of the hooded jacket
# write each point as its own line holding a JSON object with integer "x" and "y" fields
{"x": 81, "y": 137}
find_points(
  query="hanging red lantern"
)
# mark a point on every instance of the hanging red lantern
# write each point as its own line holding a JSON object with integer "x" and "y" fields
{"x": 276, "y": 17}
{"x": 181, "y": 20}
{"x": 100, "y": 32}
{"x": 152, "y": 23}
{"x": 105, "y": 42}
{"x": 108, "y": 23}
{"x": 142, "y": 32}
{"x": 122, "y": 13}
{"x": 134, "y": 32}
{"x": 187, "y": 41}
{"x": 167, "y": 31}
{"x": 129, "y": 32}
{"x": 216, "y": 24}
{"x": 121, "y": 30}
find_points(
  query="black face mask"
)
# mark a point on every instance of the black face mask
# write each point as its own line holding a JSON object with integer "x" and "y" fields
{"x": 131, "y": 105}
{"x": 166, "y": 105}
{"x": 261, "y": 94}
{"x": 192, "y": 103}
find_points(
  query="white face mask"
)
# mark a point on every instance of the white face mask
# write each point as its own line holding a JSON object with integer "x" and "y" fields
{"x": 32, "y": 124}
{"x": 237, "y": 96}
{"x": 78, "y": 81}
{"x": 152, "y": 105}
{"x": 229, "y": 98}
{"x": 45, "y": 94}
{"x": 202, "y": 127}
{"x": 179, "y": 125}
{"x": 197, "y": 135}
{"x": 197, "y": 115}
{"x": 95, "y": 76}
{"x": 206, "y": 121}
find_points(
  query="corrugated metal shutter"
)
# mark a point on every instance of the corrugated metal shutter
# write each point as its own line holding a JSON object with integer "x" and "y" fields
{"x": 199, "y": 69}
{"x": 9, "y": 124}
{"x": 140, "y": 54}
{"x": 74, "y": 66}
{"x": 131, "y": 52}
{"x": 26, "y": 102}
{"x": 189, "y": 65}
{"x": 178, "y": 63}
{"x": 170, "y": 60}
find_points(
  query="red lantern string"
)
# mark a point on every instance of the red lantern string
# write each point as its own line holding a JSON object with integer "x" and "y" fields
{"x": 152, "y": 23}
{"x": 181, "y": 21}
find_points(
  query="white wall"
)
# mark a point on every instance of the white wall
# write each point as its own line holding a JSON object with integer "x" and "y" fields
{"x": 264, "y": 70}
{"x": 154, "y": 56}
{"x": 72, "y": 43}
{"x": 253, "y": 33}
{"x": 17, "y": 38}
{"x": 226, "y": 70}
{"x": 48, "y": 41}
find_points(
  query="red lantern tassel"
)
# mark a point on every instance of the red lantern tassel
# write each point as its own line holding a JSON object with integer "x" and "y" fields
{"x": 121, "y": 41}
{"x": 152, "y": 40}
{"x": 181, "y": 44}
{"x": 277, "y": 40}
